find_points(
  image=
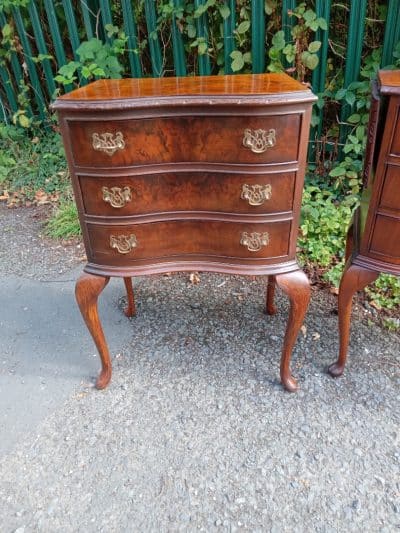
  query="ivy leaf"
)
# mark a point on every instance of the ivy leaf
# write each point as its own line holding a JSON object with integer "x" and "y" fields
{"x": 337, "y": 171}
{"x": 24, "y": 121}
{"x": 350, "y": 98}
{"x": 322, "y": 23}
{"x": 278, "y": 40}
{"x": 191, "y": 31}
{"x": 353, "y": 119}
{"x": 243, "y": 26}
{"x": 269, "y": 7}
{"x": 310, "y": 60}
{"x": 314, "y": 46}
{"x": 238, "y": 60}
{"x": 225, "y": 11}
{"x": 309, "y": 15}
{"x": 202, "y": 48}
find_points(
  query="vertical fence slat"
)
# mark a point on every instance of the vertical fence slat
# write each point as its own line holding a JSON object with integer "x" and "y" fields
{"x": 392, "y": 32}
{"x": 87, "y": 19}
{"x": 287, "y": 20}
{"x": 42, "y": 48}
{"x": 106, "y": 16}
{"x": 229, "y": 38}
{"x": 355, "y": 40}
{"x": 323, "y": 9}
{"x": 177, "y": 45}
{"x": 36, "y": 87}
{"x": 55, "y": 33}
{"x": 131, "y": 33}
{"x": 154, "y": 43}
{"x": 56, "y": 36}
{"x": 15, "y": 65}
{"x": 258, "y": 36}
{"x": 8, "y": 89}
{"x": 71, "y": 25}
{"x": 3, "y": 111}
{"x": 202, "y": 32}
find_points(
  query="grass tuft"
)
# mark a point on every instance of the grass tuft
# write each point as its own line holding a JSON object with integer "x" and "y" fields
{"x": 64, "y": 223}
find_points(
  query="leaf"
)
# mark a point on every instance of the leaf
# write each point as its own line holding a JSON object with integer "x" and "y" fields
{"x": 337, "y": 171}
{"x": 202, "y": 48}
{"x": 353, "y": 119}
{"x": 24, "y": 121}
{"x": 314, "y": 46}
{"x": 224, "y": 11}
{"x": 191, "y": 31}
{"x": 243, "y": 27}
{"x": 322, "y": 23}
{"x": 310, "y": 60}
{"x": 238, "y": 60}
{"x": 350, "y": 98}
{"x": 278, "y": 40}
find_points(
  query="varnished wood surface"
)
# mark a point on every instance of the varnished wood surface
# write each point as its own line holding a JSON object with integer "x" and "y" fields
{"x": 185, "y": 139}
{"x": 191, "y": 191}
{"x": 389, "y": 81}
{"x": 185, "y": 164}
{"x": 171, "y": 239}
{"x": 374, "y": 248}
{"x": 238, "y": 85}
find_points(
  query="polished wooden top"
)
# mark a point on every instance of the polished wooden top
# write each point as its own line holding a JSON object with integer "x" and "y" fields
{"x": 241, "y": 84}
{"x": 389, "y": 81}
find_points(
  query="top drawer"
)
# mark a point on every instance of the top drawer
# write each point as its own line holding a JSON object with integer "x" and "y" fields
{"x": 268, "y": 139}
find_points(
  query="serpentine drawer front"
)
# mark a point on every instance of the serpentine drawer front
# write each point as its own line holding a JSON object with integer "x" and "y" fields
{"x": 180, "y": 174}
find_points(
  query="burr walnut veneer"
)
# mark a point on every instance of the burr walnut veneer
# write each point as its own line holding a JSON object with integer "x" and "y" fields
{"x": 180, "y": 174}
{"x": 373, "y": 240}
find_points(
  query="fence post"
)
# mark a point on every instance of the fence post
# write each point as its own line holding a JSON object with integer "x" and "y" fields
{"x": 229, "y": 38}
{"x": 202, "y": 31}
{"x": 392, "y": 32}
{"x": 353, "y": 56}
{"x": 131, "y": 33}
{"x": 177, "y": 44}
{"x": 154, "y": 43}
{"x": 258, "y": 36}
{"x": 41, "y": 46}
{"x": 36, "y": 87}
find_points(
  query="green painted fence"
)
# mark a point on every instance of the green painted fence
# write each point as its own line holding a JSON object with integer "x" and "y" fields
{"x": 55, "y": 29}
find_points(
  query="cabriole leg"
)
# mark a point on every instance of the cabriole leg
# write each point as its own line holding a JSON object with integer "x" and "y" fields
{"x": 270, "y": 308}
{"x": 130, "y": 309}
{"x": 354, "y": 278}
{"x": 87, "y": 291}
{"x": 297, "y": 287}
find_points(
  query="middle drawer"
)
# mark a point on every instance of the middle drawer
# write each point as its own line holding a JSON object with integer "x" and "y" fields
{"x": 193, "y": 191}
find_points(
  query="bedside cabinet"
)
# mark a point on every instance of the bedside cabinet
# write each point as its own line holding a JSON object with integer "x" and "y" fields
{"x": 373, "y": 240}
{"x": 183, "y": 174}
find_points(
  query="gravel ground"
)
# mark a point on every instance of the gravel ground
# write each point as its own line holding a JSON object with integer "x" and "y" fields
{"x": 196, "y": 434}
{"x": 26, "y": 252}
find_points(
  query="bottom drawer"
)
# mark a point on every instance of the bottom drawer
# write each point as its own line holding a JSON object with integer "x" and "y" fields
{"x": 385, "y": 241}
{"x": 123, "y": 245}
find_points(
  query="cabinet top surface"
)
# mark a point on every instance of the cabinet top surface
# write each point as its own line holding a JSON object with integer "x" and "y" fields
{"x": 389, "y": 81}
{"x": 129, "y": 89}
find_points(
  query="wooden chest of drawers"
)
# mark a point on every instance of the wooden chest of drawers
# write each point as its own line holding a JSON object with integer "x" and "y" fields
{"x": 373, "y": 241}
{"x": 180, "y": 174}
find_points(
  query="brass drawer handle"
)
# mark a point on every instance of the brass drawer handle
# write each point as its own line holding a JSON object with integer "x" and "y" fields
{"x": 107, "y": 142}
{"x": 116, "y": 196}
{"x": 256, "y": 194}
{"x": 123, "y": 243}
{"x": 254, "y": 241}
{"x": 259, "y": 140}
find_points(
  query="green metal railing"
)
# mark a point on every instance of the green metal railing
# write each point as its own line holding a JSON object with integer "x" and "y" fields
{"x": 58, "y": 27}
